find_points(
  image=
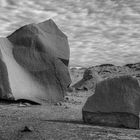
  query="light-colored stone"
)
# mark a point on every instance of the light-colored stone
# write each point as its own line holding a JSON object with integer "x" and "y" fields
{"x": 34, "y": 61}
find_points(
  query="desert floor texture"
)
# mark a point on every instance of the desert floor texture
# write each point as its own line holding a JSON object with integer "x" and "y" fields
{"x": 56, "y": 122}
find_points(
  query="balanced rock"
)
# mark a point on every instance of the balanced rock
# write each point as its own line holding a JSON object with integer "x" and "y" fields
{"x": 34, "y": 63}
{"x": 116, "y": 102}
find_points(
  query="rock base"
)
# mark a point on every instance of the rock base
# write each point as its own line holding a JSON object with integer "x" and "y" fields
{"x": 115, "y": 119}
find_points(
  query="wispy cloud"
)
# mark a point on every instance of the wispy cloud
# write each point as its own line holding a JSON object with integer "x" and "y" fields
{"x": 99, "y": 31}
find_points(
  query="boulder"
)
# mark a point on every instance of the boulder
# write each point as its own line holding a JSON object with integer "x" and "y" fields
{"x": 35, "y": 62}
{"x": 116, "y": 102}
{"x": 89, "y": 80}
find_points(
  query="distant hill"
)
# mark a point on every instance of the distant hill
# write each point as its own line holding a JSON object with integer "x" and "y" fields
{"x": 90, "y": 76}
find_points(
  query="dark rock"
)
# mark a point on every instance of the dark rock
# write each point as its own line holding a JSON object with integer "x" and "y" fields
{"x": 116, "y": 102}
{"x": 66, "y": 107}
{"x": 70, "y": 89}
{"x": 27, "y": 129}
{"x": 66, "y": 98}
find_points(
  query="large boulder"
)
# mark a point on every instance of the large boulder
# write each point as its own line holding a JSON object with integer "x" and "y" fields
{"x": 35, "y": 62}
{"x": 116, "y": 102}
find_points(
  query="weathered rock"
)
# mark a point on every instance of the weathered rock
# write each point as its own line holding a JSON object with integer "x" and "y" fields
{"x": 89, "y": 80}
{"x": 76, "y": 74}
{"x": 134, "y": 66}
{"x": 35, "y": 63}
{"x": 116, "y": 102}
{"x": 5, "y": 90}
{"x": 97, "y": 73}
{"x": 107, "y": 71}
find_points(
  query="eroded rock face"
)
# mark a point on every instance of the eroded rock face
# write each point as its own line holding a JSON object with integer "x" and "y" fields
{"x": 134, "y": 66}
{"x": 89, "y": 80}
{"x": 37, "y": 58}
{"x": 116, "y": 102}
{"x": 5, "y": 90}
{"x": 76, "y": 74}
{"x": 108, "y": 71}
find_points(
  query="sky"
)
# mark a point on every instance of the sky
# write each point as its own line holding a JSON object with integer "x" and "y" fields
{"x": 99, "y": 31}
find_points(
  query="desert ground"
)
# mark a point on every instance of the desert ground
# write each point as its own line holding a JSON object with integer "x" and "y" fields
{"x": 56, "y": 122}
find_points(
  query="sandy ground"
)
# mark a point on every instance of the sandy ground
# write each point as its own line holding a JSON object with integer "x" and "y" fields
{"x": 55, "y": 122}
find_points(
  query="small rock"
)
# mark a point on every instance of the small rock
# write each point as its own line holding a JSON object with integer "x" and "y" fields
{"x": 24, "y": 104}
{"x": 66, "y": 99}
{"x": 58, "y": 104}
{"x": 27, "y": 129}
{"x": 27, "y": 104}
{"x": 66, "y": 107}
